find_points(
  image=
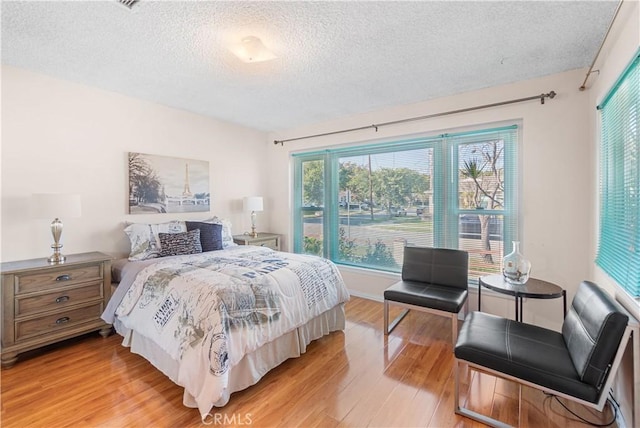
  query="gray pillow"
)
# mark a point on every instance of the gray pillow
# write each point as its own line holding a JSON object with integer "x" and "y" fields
{"x": 210, "y": 234}
{"x": 175, "y": 244}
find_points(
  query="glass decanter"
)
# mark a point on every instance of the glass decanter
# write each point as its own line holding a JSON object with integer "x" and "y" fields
{"x": 515, "y": 268}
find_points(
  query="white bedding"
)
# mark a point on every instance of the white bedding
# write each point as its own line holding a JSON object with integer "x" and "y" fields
{"x": 200, "y": 316}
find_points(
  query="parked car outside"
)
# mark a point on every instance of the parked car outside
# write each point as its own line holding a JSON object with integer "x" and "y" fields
{"x": 398, "y": 211}
{"x": 469, "y": 227}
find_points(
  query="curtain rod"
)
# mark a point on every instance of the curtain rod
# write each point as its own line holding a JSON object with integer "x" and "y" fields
{"x": 540, "y": 97}
{"x": 604, "y": 39}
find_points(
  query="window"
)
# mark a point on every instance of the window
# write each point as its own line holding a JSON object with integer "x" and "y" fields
{"x": 619, "y": 245}
{"x": 362, "y": 205}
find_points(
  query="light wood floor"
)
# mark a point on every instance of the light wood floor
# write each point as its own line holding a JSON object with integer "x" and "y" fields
{"x": 354, "y": 378}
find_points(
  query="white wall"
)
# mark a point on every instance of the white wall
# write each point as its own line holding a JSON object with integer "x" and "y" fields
{"x": 622, "y": 43}
{"x": 64, "y": 137}
{"x": 556, "y": 180}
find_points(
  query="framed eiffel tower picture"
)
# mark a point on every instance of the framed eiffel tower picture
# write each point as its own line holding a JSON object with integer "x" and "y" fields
{"x": 163, "y": 184}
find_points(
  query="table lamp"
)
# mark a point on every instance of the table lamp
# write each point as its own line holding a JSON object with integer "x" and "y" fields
{"x": 253, "y": 204}
{"x": 56, "y": 206}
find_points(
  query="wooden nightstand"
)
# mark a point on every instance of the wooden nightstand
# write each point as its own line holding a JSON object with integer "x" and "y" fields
{"x": 271, "y": 240}
{"x": 45, "y": 303}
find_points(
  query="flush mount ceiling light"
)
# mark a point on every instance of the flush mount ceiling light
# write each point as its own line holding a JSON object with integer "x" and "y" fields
{"x": 251, "y": 49}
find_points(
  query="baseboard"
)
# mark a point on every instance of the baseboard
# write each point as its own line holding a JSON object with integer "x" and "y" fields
{"x": 367, "y": 296}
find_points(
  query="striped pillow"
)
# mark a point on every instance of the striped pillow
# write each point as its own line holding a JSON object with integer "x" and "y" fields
{"x": 175, "y": 244}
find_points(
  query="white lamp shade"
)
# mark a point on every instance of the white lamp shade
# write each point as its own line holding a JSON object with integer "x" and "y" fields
{"x": 253, "y": 203}
{"x": 55, "y": 205}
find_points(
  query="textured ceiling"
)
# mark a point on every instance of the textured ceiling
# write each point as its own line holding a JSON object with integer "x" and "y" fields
{"x": 334, "y": 58}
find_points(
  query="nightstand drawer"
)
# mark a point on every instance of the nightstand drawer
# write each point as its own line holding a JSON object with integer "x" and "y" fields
{"x": 27, "y": 282}
{"x": 271, "y": 243}
{"x": 268, "y": 240}
{"x": 58, "y": 299}
{"x": 57, "y": 321}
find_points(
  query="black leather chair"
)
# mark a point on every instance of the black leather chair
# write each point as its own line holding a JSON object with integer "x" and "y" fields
{"x": 433, "y": 280}
{"x": 578, "y": 363}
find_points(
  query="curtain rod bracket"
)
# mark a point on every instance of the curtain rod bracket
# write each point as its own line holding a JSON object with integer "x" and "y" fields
{"x": 604, "y": 39}
{"x": 583, "y": 87}
{"x": 375, "y": 127}
{"x": 276, "y": 142}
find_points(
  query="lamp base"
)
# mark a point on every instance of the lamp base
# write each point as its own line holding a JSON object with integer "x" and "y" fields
{"x": 57, "y": 256}
{"x": 254, "y": 233}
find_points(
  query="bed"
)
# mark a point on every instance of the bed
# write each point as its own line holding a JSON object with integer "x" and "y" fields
{"x": 216, "y": 322}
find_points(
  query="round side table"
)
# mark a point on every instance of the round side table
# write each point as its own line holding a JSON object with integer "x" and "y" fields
{"x": 533, "y": 288}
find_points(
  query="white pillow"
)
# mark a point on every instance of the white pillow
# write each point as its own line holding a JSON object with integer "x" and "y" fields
{"x": 144, "y": 240}
{"x": 227, "y": 236}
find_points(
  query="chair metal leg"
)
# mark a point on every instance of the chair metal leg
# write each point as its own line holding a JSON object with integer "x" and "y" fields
{"x": 389, "y": 328}
{"x": 454, "y": 322}
{"x": 456, "y": 385}
{"x": 463, "y": 411}
{"x": 386, "y": 317}
{"x": 454, "y": 328}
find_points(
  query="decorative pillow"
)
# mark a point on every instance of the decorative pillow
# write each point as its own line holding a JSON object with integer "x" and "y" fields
{"x": 144, "y": 238}
{"x": 227, "y": 237}
{"x": 176, "y": 244}
{"x": 210, "y": 234}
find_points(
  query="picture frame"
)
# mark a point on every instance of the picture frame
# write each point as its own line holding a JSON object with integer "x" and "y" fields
{"x": 165, "y": 184}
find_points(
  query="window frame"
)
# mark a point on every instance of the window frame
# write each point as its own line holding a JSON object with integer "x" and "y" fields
{"x": 445, "y": 215}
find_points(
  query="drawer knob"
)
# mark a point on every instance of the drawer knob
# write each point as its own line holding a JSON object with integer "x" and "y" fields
{"x": 63, "y": 320}
{"x": 62, "y": 299}
{"x": 65, "y": 277}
